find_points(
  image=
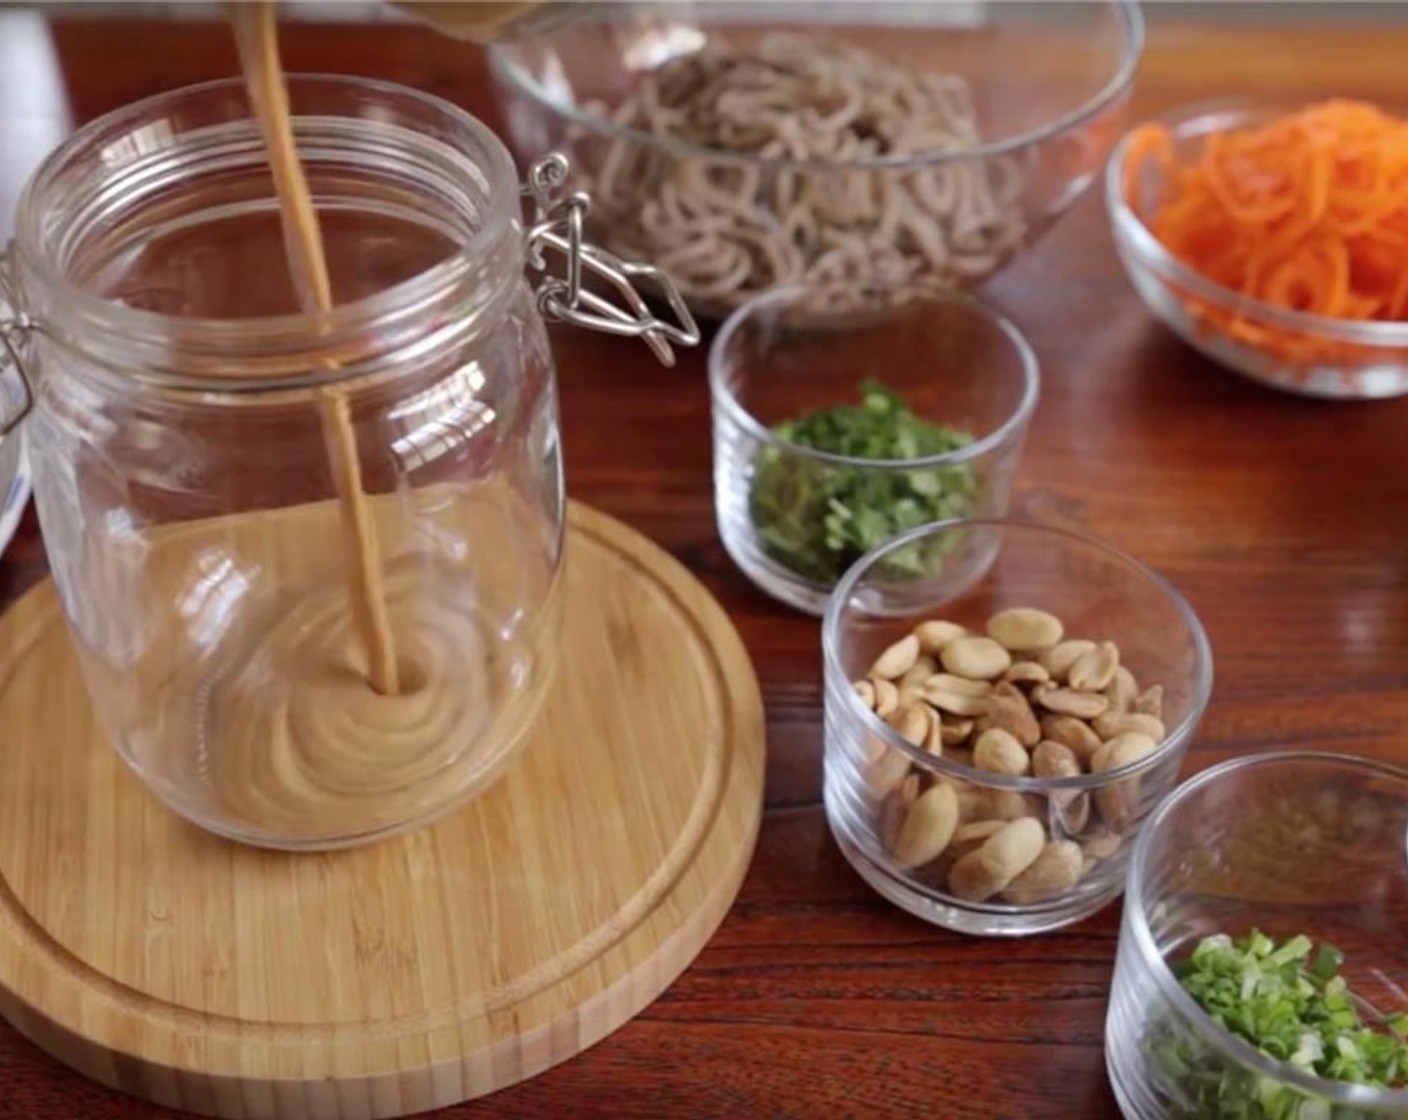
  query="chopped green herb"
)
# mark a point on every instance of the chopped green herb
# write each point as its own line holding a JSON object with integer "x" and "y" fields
{"x": 818, "y": 518}
{"x": 1289, "y": 1001}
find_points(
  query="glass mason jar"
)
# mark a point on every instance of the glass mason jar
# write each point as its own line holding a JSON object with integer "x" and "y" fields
{"x": 310, "y": 566}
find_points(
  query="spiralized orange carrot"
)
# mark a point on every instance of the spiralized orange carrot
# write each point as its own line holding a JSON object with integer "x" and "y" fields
{"x": 1307, "y": 213}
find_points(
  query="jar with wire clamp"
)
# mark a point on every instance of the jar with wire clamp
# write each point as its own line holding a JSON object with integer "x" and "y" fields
{"x": 310, "y": 564}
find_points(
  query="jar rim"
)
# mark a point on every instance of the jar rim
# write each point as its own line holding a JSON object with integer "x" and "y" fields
{"x": 499, "y": 212}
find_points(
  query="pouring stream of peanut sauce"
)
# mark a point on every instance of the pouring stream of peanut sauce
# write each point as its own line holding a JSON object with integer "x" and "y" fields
{"x": 256, "y": 35}
{"x": 340, "y": 711}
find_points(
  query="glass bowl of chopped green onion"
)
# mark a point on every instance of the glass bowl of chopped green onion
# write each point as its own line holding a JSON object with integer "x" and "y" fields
{"x": 998, "y": 731}
{"x": 832, "y": 437}
{"x": 1262, "y": 971}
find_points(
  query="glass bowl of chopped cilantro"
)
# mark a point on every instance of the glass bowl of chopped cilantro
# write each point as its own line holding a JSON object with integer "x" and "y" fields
{"x": 834, "y": 436}
{"x": 1262, "y": 971}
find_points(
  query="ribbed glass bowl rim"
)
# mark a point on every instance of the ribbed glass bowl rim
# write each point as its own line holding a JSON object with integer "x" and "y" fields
{"x": 1149, "y": 253}
{"x": 838, "y": 683}
{"x": 726, "y": 402}
{"x": 1135, "y": 904}
{"x": 1128, "y": 12}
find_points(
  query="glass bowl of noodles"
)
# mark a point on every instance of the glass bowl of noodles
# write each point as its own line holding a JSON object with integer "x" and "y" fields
{"x": 841, "y": 145}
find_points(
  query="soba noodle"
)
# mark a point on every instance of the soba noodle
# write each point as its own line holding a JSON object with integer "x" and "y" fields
{"x": 725, "y": 230}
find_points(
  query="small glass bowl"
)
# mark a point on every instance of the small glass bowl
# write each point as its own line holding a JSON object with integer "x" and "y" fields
{"x": 954, "y": 360}
{"x": 1315, "y": 355}
{"x": 1287, "y": 843}
{"x": 975, "y": 569}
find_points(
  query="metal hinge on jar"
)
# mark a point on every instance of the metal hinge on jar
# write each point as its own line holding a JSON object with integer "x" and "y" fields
{"x": 557, "y": 224}
{"x": 16, "y": 395}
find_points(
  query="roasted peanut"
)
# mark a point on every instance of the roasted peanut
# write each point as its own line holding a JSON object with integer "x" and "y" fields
{"x": 1003, "y": 856}
{"x": 1051, "y": 759}
{"x": 956, "y": 703}
{"x": 912, "y": 723}
{"x": 887, "y": 697}
{"x": 885, "y": 767}
{"x": 1121, "y": 751}
{"x": 954, "y": 731}
{"x": 934, "y": 736}
{"x": 966, "y": 838}
{"x": 980, "y": 803}
{"x": 1070, "y": 809}
{"x": 978, "y": 659}
{"x": 1073, "y": 733}
{"x": 1122, "y": 690}
{"x": 1119, "y": 801}
{"x": 1011, "y": 712}
{"x": 866, "y": 692}
{"x": 1016, "y": 847}
{"x": 1023, "y": 629}
{"x": 936, "y": 634}
{"x": 1069, "y": 702}
{"x": 894, "y": 809}
{"x": 896, "y": 660}
{"x": 969, "y": 836}
{"x": 973, "y": 804}
{"x": 928, "y": 826}
{"x": 999, "y": 752}
{"x": 923, "y": 668}
{"x": 1058, "y": 868}
{"x": 970, "y": 879}
{"x": 1118, "y": 723}
{"x": 1059, "y": 658}
{"x": 947, "y": 682}
{"x": 1117, "y": 804}
{"x": 1093, "y": 670}
{"x": 1027, "y": 672}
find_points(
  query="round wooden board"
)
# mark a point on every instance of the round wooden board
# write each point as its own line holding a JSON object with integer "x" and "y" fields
{"x": 433, "y": 967}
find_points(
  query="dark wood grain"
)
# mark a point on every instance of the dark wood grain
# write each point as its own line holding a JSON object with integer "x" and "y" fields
{"x": 1285, "y": 522}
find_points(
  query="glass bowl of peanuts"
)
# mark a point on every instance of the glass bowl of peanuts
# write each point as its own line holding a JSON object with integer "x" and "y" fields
{"x": 997, "y": 732}
{"x": 838, "y": 144}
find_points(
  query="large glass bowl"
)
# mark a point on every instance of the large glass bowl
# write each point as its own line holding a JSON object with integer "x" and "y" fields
{"x": 972, "y": 570}
{"x": 1287, "y": 843}
{"x": 1047, "y": 84}
{"x": 1294, "y": 351}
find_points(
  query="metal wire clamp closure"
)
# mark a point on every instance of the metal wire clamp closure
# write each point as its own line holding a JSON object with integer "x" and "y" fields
{"x": 15, "y": 327}
{"x": 557, "y": 224}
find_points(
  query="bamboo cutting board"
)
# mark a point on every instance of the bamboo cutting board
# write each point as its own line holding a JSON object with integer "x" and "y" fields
{"x": 424, "y": 970}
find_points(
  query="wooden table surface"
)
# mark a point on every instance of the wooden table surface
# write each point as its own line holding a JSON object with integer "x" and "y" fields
{"x": 1284, "y": 521}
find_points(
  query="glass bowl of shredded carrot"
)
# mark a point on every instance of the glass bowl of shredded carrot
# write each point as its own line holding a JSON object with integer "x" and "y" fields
{"x": 1274, "y": 238}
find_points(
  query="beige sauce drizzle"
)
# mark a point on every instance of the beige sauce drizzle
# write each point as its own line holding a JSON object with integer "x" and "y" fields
{"x": 337, "y": 712}
{"x": 257, "y": 38}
